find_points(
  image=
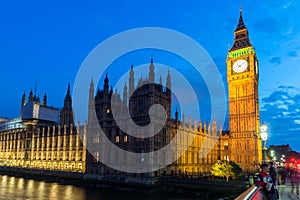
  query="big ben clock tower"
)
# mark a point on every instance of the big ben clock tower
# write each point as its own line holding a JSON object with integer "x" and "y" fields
{"x": 242, "y": 77}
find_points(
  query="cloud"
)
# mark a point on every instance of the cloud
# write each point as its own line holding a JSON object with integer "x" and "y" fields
{"x": 275, "y": 60}
{"x": 297, "y": 121}
{"x": 281, "y": 111}
{"x": 292, "y": 54}
{"x": 288, "y": 4}
{"x": 276, "y": 96}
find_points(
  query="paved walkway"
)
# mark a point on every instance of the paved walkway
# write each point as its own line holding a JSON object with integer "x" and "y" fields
{"x": 285, "y": 191}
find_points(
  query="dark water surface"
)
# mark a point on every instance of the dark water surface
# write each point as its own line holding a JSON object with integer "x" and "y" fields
{"x": 19, "y": 188}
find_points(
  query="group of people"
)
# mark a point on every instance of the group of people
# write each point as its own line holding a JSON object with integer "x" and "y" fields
{"x": 267, "y": 179}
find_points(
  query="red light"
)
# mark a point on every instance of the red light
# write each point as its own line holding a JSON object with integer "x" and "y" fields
{"x": 293, "y": 160}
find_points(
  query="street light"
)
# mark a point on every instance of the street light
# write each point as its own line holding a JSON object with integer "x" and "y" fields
{"x": 272, "y": 153}
{"x": 264, "y": 138}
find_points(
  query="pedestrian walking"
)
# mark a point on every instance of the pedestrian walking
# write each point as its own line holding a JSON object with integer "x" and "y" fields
{"x": 273, "y": 173}
{"x": 295, "y": 181}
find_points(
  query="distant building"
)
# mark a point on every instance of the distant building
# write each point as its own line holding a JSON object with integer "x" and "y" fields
{"x": 279, "y": 149}
{"x": 283, "y": 154}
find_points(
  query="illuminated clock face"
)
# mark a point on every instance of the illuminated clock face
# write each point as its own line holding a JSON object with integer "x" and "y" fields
{"x": 240, "y": 66}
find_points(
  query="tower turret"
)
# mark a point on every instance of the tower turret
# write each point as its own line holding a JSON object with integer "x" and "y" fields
{"x": 125, "y": 94}
{"x": 91, "y": 101}
{"x": 131, "y": 81}
{"x": 23, "y": 103}
{"x": 45, "y": 100}
{"x": 30, "y": 98}
{"x": 66, "y": 114}
{"x": 151, "y": 71}
{"x": 106, "y": 86}
{"x": 169, "y": 84}
{"x": 23, "y": 100}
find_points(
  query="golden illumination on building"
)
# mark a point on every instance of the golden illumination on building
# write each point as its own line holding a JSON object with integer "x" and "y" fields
{"x": 59, "y": 147}
{"x": 242, "y": 76}
{"x": 49, "y": 148}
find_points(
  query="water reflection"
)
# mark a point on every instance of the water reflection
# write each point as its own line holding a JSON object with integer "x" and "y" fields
{"x": 53, "y": 191}
{"x": 20, "y": 188}
{"x": 20, "y": 183}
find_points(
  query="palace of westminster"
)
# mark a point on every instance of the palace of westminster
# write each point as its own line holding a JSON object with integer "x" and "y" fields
{"x": 47, "y": 138}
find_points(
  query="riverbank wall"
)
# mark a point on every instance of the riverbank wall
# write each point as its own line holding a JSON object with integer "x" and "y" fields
{"x": 201, "y": 188}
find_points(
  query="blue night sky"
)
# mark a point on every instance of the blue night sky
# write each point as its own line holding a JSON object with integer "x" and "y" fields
{"x": 48, "y": 41}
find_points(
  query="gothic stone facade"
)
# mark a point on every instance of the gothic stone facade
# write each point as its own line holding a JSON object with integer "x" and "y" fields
{"x": 43, "y": 144}
{"x": 144, "y": 96}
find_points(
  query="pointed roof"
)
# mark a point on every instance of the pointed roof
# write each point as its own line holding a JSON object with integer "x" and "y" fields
{"x": 92, "y": 83}
{"x": 151, "y": 66}
{"x": 45, "y": 96}
{"x": 68, "y": 99}
{"x": 241, "y": 39}
{"x": 68, "y": 92}
{"x": 45, "y": 100}
{"x": 241, "y": 24}
{"x": 131, "y": 71}
{"x": 68, "y": 95}
{"x": 151, "y": 71}
{"x": 106, "y": 86}
{"x": 168, "y": 76}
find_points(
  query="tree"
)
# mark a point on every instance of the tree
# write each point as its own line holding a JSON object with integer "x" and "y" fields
{"x": 237, "y": 170}
{"x": 222, "y": 169}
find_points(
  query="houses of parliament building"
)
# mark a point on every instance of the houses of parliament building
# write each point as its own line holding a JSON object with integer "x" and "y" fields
{"x": 47, "y": 138}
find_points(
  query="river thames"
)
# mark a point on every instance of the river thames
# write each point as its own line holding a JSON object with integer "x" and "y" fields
{"x": 19, "y": 188}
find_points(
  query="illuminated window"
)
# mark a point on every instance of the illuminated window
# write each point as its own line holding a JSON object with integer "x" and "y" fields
{"x": 117, "y": 139}
{"x": 96, "y": 139}
{"x": 125, "y": 138}
{"x": 107, "y": 111}
{"x": 226, "y": 157}
{"x": 96, "y": 156}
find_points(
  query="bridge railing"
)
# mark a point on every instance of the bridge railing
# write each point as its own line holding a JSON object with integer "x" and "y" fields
{"x": 252, "y": 193}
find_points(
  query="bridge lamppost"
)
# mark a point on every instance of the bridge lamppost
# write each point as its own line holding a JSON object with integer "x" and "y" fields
{"x": 264, "y": 138}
